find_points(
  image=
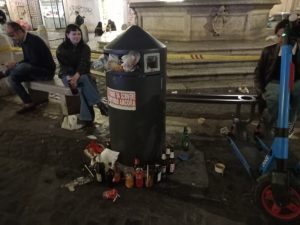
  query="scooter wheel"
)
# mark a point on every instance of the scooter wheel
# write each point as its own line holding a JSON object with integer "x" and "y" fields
{"x": 264, "y": 197}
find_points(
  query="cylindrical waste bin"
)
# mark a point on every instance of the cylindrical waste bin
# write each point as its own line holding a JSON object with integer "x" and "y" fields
{"x": 136, "y": 98}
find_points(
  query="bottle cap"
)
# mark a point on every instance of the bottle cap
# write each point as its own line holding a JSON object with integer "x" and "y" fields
{"x": 163, "y": 156}
{"x": 168, "y": 150}
{"x": 136, "y": 161}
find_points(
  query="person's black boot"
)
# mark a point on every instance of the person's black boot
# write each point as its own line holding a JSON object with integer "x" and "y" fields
{"x": 103, "y": 108}
{"x": 85, "y": 123}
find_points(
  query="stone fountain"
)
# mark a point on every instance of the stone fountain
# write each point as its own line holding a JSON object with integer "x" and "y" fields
{"x": 213, "y": 28}
{"x": 195, "y": 20}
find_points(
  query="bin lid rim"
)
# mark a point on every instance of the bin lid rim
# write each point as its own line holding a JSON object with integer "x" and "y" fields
{"x": 125, "y": 51}
{"x": 134, "y": 38}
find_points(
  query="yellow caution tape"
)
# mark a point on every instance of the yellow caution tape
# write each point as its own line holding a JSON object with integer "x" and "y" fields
{"x": 10, "y": 49}
{"x": 170, "y": 56}
{"x": 211, "y": 57}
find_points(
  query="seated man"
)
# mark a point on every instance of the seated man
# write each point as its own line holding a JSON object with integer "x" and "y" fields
{"x": 37, "y": 64}
{"x": 267, "y": 81}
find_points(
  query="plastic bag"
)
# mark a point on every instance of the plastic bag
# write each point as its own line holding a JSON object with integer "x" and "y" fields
{"x": 130, "y": 61}
{"x": 101, "y": 63}
{"x": 108, "y": 156}
{"x": 113, "y": 63}
{"x": 70, "y": 123}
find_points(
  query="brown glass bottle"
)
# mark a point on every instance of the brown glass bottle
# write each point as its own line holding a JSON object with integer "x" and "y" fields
{"x": 73, "y": 89}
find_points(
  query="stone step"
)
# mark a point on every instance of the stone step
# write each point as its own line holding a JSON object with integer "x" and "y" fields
{"x": 228, "y": 82}
{"x": 209, "y": 72}
{"x": 229, "y": 47}
{"x": 198, "y": 64}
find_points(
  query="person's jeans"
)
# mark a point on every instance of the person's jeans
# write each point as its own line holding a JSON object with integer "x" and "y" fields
{"x": 89, "y": 96}
{"x": 26, "y": 72}
{"x": 271, "y": 96}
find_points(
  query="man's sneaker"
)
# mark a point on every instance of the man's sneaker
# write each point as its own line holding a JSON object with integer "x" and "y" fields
{"x": 291, "y": 127}
{"x": 264, "y": 130}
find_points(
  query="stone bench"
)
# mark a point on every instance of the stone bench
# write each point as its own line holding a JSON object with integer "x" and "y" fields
{"x": 39, "y": 91}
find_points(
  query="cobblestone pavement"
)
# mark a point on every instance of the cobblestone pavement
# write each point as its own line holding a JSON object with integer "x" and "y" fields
{"x": 37, "y": 157}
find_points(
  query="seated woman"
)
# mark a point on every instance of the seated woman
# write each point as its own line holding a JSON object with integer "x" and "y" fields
{"x": 74, "y": 60}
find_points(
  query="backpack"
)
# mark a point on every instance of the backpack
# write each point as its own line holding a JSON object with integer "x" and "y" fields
{"x": 79, "y": 20}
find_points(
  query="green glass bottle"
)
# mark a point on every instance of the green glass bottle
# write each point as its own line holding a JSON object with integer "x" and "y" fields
{"x": 185, "y": 140}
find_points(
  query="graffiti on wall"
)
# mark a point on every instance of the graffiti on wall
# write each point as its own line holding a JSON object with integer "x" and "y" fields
{"x": 81, "y": 9}
{"x": 21, "y": 11}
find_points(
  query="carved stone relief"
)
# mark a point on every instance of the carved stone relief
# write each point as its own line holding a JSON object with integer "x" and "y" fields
{"x": 219, "y": 20}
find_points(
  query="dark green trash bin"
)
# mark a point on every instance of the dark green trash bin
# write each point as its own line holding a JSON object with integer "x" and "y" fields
{"x": 137, "y": 99}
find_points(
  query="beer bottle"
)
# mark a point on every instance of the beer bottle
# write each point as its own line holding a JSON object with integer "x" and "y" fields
{"x": 129, "y": 179}
{"x": 157, "y": 173}
{"x": 139, "y": 177}
{"x": 117, "y": 175}
{"x": 172, "y": 163}
{"x": 163, "y": 166}
{"x": 185, "y": 140}
{"x": 110, "y": 175}
{"x": 136, "y": 162}
{"x": 168, "y": 151}
{"x": 108, "y": 143}
{"x": 149, "y": 176}
{"x": 73, "y": 89}
{"x": 99, "y": 168}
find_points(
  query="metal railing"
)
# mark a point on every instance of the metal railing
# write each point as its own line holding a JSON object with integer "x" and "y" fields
{"x": 237, "y": 100}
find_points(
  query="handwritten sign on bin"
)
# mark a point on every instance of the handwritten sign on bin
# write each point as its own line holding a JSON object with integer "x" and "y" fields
{"x": 125, "y": 100}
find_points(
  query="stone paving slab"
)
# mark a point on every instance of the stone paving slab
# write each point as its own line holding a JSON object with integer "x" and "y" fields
{"x": 37, "y": 157}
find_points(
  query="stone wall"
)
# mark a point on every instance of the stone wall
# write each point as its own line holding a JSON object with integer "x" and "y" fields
{"x": 87, "y": 8}
{"x": 27, "y": 12}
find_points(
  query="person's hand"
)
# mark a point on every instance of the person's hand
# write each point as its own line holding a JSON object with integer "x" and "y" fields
{"x": 10, "y": 65}
{"x": 73, "y": 80}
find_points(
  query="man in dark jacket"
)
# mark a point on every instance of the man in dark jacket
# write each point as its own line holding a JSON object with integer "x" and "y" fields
{"x": 37, "y": 64}
{"x": 267, "y": 80}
